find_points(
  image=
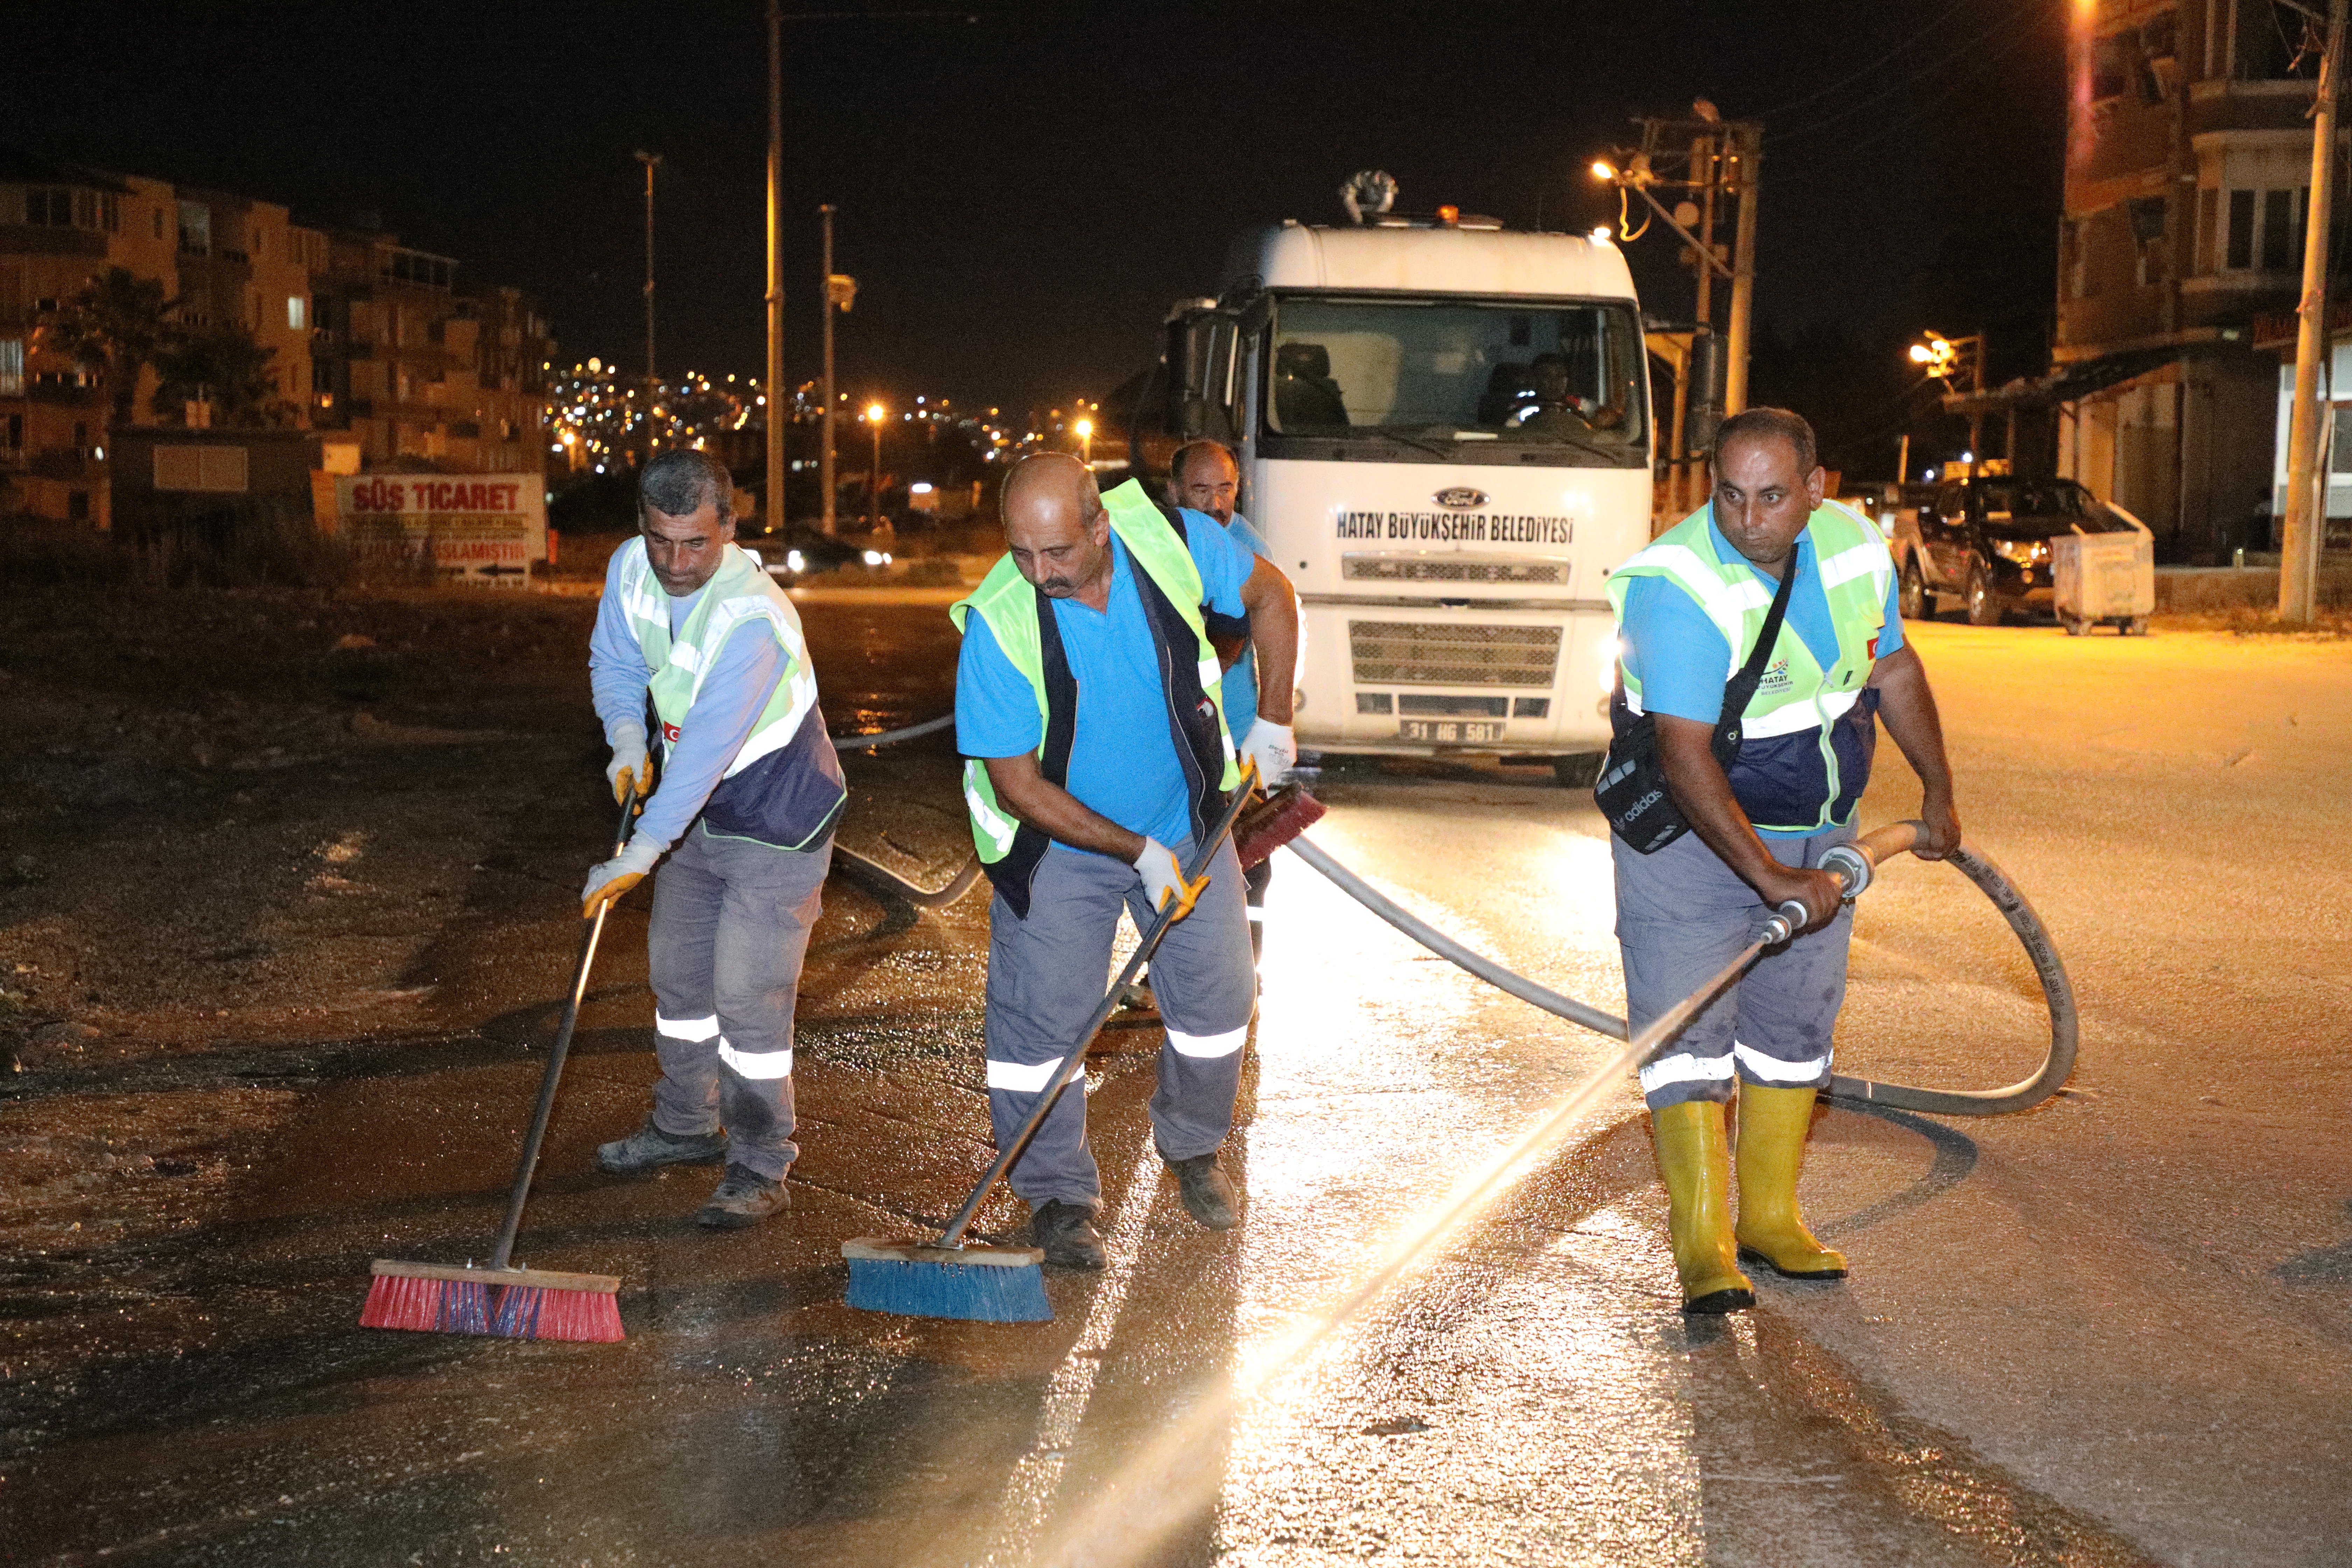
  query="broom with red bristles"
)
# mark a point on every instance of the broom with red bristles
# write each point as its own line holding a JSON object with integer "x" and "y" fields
{"x": 502, "y": 1299}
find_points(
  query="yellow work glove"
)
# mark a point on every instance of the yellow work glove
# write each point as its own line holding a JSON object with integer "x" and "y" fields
{"x": 609, "y": 880}
{"x": 631, "y": 767}
{"x": 1163, "y": 878}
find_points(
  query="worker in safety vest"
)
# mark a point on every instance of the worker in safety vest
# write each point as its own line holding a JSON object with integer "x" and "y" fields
{"x": 1203, "y": 476}
{"x": 1089, "y": 708}
{"x": 750, "y": 791}
{"x": 1690, "y": 610}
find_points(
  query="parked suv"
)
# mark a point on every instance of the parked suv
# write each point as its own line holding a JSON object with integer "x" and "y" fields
{"x": 1985, "y": 540}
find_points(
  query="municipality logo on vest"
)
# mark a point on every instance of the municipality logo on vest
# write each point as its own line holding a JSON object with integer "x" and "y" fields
{"x": 1775, "y": 677}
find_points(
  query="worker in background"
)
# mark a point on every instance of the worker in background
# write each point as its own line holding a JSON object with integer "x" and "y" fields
{"x": 1203, "y": 476}
{"x": 1690, "y": 610}
{"x": 1089, "y": 709}
{"x": 750, "y": 792}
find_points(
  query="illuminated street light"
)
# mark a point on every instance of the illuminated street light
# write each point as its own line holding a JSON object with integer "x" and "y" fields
{"x": 1085, "y": 434}
{"x": 875, "y": 415}
{"x": 1603, "y": 169}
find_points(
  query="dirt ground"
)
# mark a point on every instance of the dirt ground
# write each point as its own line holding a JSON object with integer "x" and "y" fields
{"x": 257, "y": 841}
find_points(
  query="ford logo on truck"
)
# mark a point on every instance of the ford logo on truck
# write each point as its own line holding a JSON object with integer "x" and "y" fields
{"x": 1460, "y": 498}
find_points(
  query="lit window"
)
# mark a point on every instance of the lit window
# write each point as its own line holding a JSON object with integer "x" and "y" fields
{"x": 298, "y": 312}
{"x": 195, "y": 228}
{"x": 12, "y": 367}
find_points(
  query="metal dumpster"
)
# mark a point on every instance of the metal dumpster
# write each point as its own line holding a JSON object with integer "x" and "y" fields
{"x": 2103, "y": 579}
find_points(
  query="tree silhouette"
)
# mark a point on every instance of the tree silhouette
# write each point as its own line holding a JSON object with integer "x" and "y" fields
{"x": 222, "y": 363}
{"x": 119, "y": 322}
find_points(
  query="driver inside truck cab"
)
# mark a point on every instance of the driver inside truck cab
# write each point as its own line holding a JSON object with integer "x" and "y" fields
{"x": 1304, "y": 395}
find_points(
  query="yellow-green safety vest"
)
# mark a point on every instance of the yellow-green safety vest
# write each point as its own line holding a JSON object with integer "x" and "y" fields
{"x": 1797, "y": 694}
{"x": 1008, "y": 604}
{"x": 799, "y": 811}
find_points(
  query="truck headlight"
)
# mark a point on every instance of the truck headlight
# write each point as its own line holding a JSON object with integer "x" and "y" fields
{"x": 2024, "y": 551}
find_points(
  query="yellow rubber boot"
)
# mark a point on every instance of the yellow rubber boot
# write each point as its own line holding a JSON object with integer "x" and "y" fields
{"x": 1696, "y": 1159}
{"x": 1772, "y": 1127}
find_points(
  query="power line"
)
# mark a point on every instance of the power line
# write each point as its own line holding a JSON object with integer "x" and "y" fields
{"x": 1924, "y": 108}
{"x": 1842, "y": 82}
{"x": 1909, "y": 78}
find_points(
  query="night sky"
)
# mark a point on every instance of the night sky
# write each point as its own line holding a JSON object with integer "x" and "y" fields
{"x": 1023, "y": 189}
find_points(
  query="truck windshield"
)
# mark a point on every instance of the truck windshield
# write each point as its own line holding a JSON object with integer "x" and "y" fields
{"x": 1562, "y": 376}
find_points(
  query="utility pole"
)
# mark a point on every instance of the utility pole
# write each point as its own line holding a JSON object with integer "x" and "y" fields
{"x": 1747, "y": 155}
{"x": 824, "y": 456}
{"x": 1712, "y": 158}
{"x": 2306, "y": 473}
{"x": 780, "y": 403}
{"x": 1706, "y": 154}
{"x": 651, "y": 161}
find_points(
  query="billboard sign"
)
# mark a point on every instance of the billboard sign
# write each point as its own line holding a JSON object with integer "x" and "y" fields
{"x": 473, "y": 528}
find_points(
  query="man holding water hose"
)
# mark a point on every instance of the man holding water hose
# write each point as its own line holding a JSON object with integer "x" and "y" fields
{"x": 1691, "y": 609}
{"x": 1088, "y": 708}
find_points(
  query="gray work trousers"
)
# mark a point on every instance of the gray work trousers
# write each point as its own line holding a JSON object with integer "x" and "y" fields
{"x": 1047, "y": 973}
{"x": 1682, "y": 915}
{"x": 731, "y": 920}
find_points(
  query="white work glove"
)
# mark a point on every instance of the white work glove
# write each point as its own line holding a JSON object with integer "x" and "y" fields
{"x": 609, "y": 880}
{"x": 1270, "y": 746}
{"x": 1163, "y": 878}
{"x": 631, "y": 764}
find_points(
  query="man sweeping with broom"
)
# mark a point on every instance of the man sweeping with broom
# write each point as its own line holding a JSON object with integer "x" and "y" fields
{"x": 750, "y": 791}
{"x": 1087, "y": 708}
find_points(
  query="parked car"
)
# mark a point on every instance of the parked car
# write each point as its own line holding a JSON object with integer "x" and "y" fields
{"x": 1985, "y": 540}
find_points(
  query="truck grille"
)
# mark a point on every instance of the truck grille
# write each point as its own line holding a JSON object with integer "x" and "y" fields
{"x": 1442, "y": 653}
{"x": 1376, "y": 569}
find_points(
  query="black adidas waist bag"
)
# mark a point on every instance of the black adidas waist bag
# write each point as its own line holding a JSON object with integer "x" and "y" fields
{"x": 1631, "y": 791}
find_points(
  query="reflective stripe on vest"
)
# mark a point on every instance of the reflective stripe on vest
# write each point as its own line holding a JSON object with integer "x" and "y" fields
{"x": 738, "y": 591}
{"x": 1850, "y": 558}
{"x": 1007, "y": 603}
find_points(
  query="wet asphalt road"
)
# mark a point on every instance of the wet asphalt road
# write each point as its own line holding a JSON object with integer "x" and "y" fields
{"x": 2116, "y": 1329}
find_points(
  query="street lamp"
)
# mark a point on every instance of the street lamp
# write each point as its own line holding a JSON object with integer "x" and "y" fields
{"x": 875, "y": 415}
{"x": 1085, "y": 430}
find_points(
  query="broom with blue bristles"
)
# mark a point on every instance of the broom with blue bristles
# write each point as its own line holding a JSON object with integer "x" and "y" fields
{"x": 503, "y": 1300}
{"x": 952, "y": 1278}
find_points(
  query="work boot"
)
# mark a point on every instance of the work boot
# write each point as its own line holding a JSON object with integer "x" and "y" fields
{"x": 1208, "y": 1192}
{"x": 1697, "y": 1165}
{"x": 649, "y": 1147}
{"x": 1066, "y": 1232}
{"x": 744, "y": 1198}
{"x": 1772, "y": 1127}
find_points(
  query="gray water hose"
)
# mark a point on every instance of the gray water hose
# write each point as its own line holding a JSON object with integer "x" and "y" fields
{"x": 872, "y": 870}
{"x": 2057, "y": 991}
{"x": 892, "y": 737}
{"x": 1873, "y": 848}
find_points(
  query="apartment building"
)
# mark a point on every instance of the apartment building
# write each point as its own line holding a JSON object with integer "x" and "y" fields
{"x": 415, "y": 361}
{"x": 393, "y": 356}
{"x": 2188, "y": 169}
{"x": 59, "y": 223}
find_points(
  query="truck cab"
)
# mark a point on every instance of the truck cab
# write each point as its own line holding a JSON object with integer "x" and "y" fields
{"x": 1444, "y": 434}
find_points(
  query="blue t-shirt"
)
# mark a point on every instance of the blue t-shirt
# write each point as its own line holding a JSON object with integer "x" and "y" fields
{"x": 1240, "y": 680}
{"x": 1682, "y": 662}
{"x": 1123, "y": 762}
